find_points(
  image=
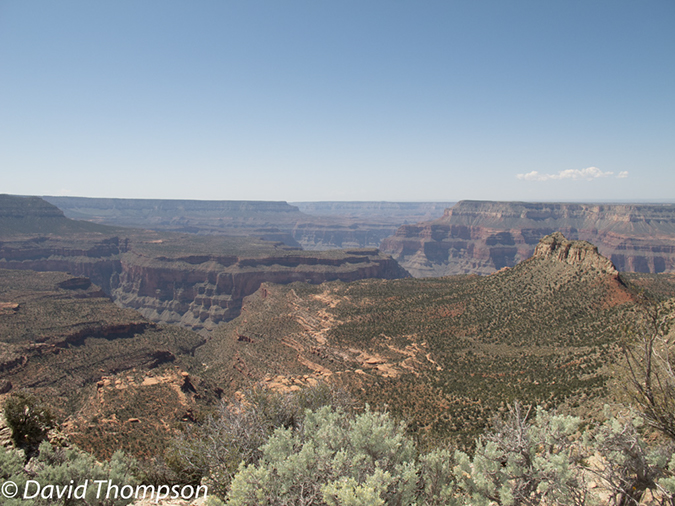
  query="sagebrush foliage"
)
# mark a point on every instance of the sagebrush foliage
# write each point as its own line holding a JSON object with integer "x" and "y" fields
{"x": 237, "y": 431}
{"x": 529, "y": 457}
{"x": 62, "y": 467}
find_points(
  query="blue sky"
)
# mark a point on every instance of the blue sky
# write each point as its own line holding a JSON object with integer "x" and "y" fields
{"x": 342, "y": 100}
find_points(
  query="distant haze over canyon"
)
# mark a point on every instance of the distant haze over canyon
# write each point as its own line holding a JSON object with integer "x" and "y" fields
{"x": 310, "y": 225}
{"x": 426, "y": 238}
{"x": 482, "y": 237}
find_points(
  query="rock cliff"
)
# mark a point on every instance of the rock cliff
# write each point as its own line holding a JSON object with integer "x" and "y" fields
{"x": 97, "y": 365}
{"x": 202, "y": 292}
{"x": 482, "y": 237}
{"x": 311, "y": 225}
{"x": 196, "y": 281}
{"x": 580, "y": 253}
{"x": 197, "y": 291}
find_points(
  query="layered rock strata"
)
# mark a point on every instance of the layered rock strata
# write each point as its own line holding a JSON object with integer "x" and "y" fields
{"x": 314, "y": 226}
{"x": 201, "y": 293}
{"x": 197, "y": 282}
{"x": 581, "y": 253}
{"x": 197, "y": 291}
{"x": 482, "y": 237}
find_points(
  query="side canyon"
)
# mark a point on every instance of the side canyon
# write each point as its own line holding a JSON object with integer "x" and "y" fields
{"x": 195, "y": 281}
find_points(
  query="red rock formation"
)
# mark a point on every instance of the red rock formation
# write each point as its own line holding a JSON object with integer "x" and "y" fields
{"x": 482, "y": 237}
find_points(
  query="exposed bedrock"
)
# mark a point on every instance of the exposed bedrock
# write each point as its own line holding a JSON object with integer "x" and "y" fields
{"x": 198, "y": 290}
{"x": 94, "y": 258}
{"x": 321, "y": 236}
{"x": 197, "y": 281}
{"x": 580, "y": 253}
{"x": 204, "y": 294}
{"x": 482, "y": 237}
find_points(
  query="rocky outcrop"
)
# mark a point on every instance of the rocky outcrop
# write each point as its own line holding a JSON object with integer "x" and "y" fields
{"x": 88, "y": 255}
{"x": 196, "y": 291}
{"x": 482, "y": 237}
{"x": 112, "y": 378}
{"x": 580, "y": 253}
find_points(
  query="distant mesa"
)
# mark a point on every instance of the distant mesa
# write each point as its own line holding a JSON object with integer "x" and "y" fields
{"x": 197, "y": 281}
{"x": 20, "y": 215}
{"x": 482, "y": 237}
{"x": 310, "y": 225}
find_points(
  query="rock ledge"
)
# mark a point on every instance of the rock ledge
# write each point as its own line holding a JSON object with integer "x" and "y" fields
{"x": 583, "y": 253}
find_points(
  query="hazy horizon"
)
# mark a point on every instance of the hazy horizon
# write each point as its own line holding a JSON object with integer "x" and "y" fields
{"x": 293, "y": 202}
{"x": 353, "y": 101}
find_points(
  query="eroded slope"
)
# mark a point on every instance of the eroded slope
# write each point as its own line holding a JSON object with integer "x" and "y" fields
{"x": 446, "y": 353}
{"x": 195, "y": 281}
{"x": 116, "y": 380}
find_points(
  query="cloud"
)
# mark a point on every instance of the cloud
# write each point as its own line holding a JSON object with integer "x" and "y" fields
{"x": 588, "y": 174}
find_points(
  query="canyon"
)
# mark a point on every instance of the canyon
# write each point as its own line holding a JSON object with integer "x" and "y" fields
{"x": 428, "y": 239}
{"x": 445, "y": 354}
{"x": 482, "y": 237}
{"x": 314, "y": 226}
{"x": 114, "y": 378}
{"x": 197, "y": 281}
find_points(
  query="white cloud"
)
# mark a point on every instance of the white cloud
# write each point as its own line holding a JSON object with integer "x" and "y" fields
{"x": 533, "y": 176}
{"x": 588, "y": 174}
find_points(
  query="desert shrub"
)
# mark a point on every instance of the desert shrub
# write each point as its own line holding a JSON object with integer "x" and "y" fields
{"x": 650, "y": 361}
{"x": 436, "y": 484}
{"x": 627, "y": 465}
{"x": 28, "y": 417}
{"x": 523, "y": 461}
{"x": 529, "y": 457}
{"x": 63, "y": 468}
{"x": 236, "y": 432}
{"x": 11, "y": 469}
{"x": 332, "y": 459}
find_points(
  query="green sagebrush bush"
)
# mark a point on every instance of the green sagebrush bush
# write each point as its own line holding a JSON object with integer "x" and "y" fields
{"x": 338, "y": 458}
{"x": 525, "y": 462}
{"x": 213, "y": 451}
{"x": 62, "y": 467}
{"x": 332, "y": 459}
{"x": 627, "y": 465}
{"x": 547, "y": 460}
{"x": 530, "y": 457}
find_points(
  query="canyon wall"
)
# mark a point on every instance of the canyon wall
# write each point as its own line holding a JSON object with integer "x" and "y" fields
{"x": 311, "y": 225}
{"x": 196, "y": 291}
{"x": 200, "y": 294}
{"x": 482, "y": 237}
{"x": 195, "y": 281}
